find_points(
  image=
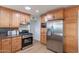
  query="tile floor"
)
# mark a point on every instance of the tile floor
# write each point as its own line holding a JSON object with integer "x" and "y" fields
{"x": 37, "y": 47}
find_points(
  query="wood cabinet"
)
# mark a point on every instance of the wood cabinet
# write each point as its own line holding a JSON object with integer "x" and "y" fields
{"x": 43, "y": 19}
{"x": 6, "y": 45}
{"x": 16, "y": 44}
{"x": 70, "y": 30}
{"x": 24, "y": 19}
{"x": 11, "y": 18}
{"x": 15, "y": 21}
{"x": 72, "y": 11}
{"x": 5, "y": 17}
{"x": 0, "y": 45}
{"x": 58, "y": 14}
{"x": 27, "y": 18}
{"x": 43, "y": 35}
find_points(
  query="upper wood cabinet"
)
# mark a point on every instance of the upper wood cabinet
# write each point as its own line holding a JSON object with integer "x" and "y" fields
{"x": 42, "y": 19}
{"x": 6, "y": 45}
{"x": 5, "y": 17}
{"x": 15, "y": 21}
{"x": 58, "y": 14}
{"x": 11, "y": 18}
{"x": 69, "y": 12}
{"x": 24, "y": 18}
{"x": 27, "y": 18}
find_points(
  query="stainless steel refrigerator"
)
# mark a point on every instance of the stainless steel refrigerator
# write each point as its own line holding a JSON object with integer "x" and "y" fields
{"x": 55, "y": 35}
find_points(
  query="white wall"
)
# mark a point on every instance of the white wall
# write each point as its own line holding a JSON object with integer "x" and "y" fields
{"x": 35, "y": 28}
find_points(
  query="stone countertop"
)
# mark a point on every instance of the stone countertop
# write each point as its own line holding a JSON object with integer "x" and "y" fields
{"x": 4, "y": 37}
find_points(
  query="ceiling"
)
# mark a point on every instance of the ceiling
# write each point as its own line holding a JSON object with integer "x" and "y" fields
{"x": 42, "y": 8}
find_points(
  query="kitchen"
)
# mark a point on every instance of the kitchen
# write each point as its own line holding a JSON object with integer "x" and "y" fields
{"x": 18, "y": 30}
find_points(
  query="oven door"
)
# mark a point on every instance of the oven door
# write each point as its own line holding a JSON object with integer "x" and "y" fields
{"x": 27, "y": 41}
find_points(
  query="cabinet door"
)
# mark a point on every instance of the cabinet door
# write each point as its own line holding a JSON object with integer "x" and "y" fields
{"x": 22, "y": 20}
{"x": 27, "y": 18}
{"x": 73, "y": 11}
{"x": 0, "y": 45}
{"x": 70, "y": 35}
{"x": 43, "y": 39}
{"x": 6, "y": 45}
{"x": 58, "y": 14}
{"x": 43, "y": 19}
{"x": 71, "y": 19}
{"x": 43, "y": 35}
{"x": 16, "y": 44}
{"x": 70, "y": 44}
{"x": 70, "y": 29}
{"x": 15, "y": 22}
{"x": 5, "y": 15}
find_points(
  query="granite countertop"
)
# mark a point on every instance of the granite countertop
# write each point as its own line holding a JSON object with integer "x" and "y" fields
{"x": 4, "y": 37}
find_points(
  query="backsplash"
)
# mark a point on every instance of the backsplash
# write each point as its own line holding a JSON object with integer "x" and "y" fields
{"x": 6, "y": 32}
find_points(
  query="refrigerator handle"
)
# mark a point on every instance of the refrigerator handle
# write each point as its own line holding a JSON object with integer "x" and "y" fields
{"x": 49, "y": 32}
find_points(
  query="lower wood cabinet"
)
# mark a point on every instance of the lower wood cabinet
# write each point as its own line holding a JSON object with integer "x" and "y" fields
{"x": 43, "y": 36}
{"x": 16, "y": 44}
{"x": 70, "y": 44}
{"x": 6, "y": 45}
{"x": 43, "y": 39}
{"x": 0, "y": 46}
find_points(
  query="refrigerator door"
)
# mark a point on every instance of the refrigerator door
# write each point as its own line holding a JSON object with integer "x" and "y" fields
{"x": 55, "y": 41}
{"x": 58, "y": 27}
{"x": 50, "y": 28}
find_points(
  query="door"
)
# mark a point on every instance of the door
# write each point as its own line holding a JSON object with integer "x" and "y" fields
{"x": 55, "y": 36}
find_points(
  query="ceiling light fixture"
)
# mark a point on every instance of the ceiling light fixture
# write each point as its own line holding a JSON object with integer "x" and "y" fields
{"x": 28, "y": 8}
{"x": 37, "y": 11}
